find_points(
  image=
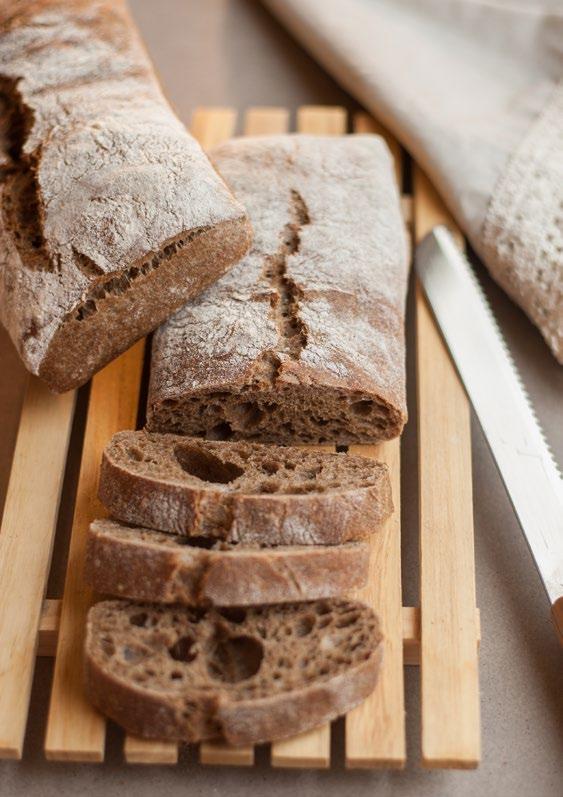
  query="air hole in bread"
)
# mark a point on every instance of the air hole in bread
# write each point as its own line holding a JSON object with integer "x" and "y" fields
{"x": 346, "y": 620}
{"x": 131, "y": 655}
{"x": 362, "y": 408}
{"x": 305, "y": 625}
{"x": 247, "y": 415}
{"x": 183, "y": 649}
{"x": 108, "y": 647}
{"x": 175, "y": 675}
{"x": 136, "y": 453}
{"x": 270, "y": 466}
{"x": 139, "y": 619}
{"x": 234, "y": 614}
{"x": 322, "y": 608}
{"x": 236, "y": 659}
{"x": 195, "y": 542}
{"x": 222, "y": 431}
{"x": 205, "y": 466}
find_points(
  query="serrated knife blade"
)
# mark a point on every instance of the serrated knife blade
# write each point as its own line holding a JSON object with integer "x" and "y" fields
{"x": 492, "y": 382}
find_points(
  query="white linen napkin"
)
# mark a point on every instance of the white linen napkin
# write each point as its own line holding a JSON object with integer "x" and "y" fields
{"x": 474, "y": 90}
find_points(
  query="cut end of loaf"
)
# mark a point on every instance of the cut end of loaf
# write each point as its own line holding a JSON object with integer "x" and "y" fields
{"x": 288, "y": 414}
{"x": 239, "y": 467}
{"x": 244, "y": 675}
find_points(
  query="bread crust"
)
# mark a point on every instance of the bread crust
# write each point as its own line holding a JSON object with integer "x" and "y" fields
{"x": 111, "y": 216}
{"x": 154, "y": 491}
{"x": 140, "y": 564}
{"x": 251, "y": 707}
{"x": 304, "y": 340}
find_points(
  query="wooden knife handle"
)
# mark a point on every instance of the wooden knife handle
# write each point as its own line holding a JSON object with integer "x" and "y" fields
{"x": 557, "y": 616}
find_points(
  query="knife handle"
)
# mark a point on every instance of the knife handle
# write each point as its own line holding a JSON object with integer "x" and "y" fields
{"x": 557, "y": 617}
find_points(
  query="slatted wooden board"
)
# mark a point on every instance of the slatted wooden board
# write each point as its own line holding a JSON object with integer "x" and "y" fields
{"x": 441, "y": 634}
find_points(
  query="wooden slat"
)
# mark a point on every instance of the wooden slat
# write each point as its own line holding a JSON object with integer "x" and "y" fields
{"x": 322, "y": 120}
{"x": 225, "y": 755}
{"x": 375, "y": 730}
{"x": 364, "y": 123}
{"x": 149, "y": 751}
{"x": 50, "y": 615}
{"x": 49, "y": 627}
{"x": 311, "y": 749}
{"x": 26, "y": 540}
{"x": 266, "y": 121}
{"x": 75, "y": 730}
{"x": 449, "y": 658}
{"x": 212, "y": 126}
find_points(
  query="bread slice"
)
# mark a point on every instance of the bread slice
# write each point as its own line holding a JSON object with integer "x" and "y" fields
{"x": 242, "y": 675}
{"x": 142, "y": 564}
{"x": 242, "y": 492}
{"x": 111, "y": 215}
{"x": 303, "y": 341}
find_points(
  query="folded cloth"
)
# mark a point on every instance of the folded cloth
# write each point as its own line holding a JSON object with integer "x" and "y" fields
{"x": 474, "y": 90}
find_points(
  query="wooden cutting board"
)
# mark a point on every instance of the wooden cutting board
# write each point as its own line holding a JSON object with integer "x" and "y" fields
{"x": 441, "y": 634}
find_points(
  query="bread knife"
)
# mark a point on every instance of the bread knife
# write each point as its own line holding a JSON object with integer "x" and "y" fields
{"x": 485, "y": 366}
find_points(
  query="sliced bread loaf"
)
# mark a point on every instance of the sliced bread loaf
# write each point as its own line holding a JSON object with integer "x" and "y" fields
{"x": 303, "y": 341}
{"x": 148, "y": 565}
{"x": 242, "y": 492}
{"x": 243, "y": 675}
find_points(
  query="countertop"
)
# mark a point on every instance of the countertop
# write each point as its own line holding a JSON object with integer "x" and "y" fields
{"x": 230, "y": 52}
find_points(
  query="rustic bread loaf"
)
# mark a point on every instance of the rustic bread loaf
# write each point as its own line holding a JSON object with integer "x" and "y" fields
{"x": 111, "y": 216}
{"x": 243, "y": 675}
{"x": 242, "y": 492}
{"x": 303, "y": 341}
{"x": 146, "y": 565}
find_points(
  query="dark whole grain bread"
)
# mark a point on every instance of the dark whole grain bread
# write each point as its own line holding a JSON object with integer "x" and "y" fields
{"x": 111, "y": 215}
{"x": 303, "y": 341}
{"x": 147, "y": 565}
{"x": 246, "y": 676}
{"x": 242, "y": 492}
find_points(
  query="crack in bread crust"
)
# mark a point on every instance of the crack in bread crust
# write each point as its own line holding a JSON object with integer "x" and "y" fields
{"x": 285, "y": 304}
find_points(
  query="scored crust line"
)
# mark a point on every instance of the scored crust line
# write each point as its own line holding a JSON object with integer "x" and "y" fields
{"x": 285, "y": 302}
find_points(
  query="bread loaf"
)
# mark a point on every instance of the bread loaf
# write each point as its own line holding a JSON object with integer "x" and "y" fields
{"x": 111, "y": 216}
{"x": 146, "y": 565}
{"x": 303, "y": 341}
{"x": 242, "y": 492}
{"x": 246, "y": 676}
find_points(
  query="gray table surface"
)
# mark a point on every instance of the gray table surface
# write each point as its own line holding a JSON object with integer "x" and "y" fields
{"x": 230, "y": 52}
